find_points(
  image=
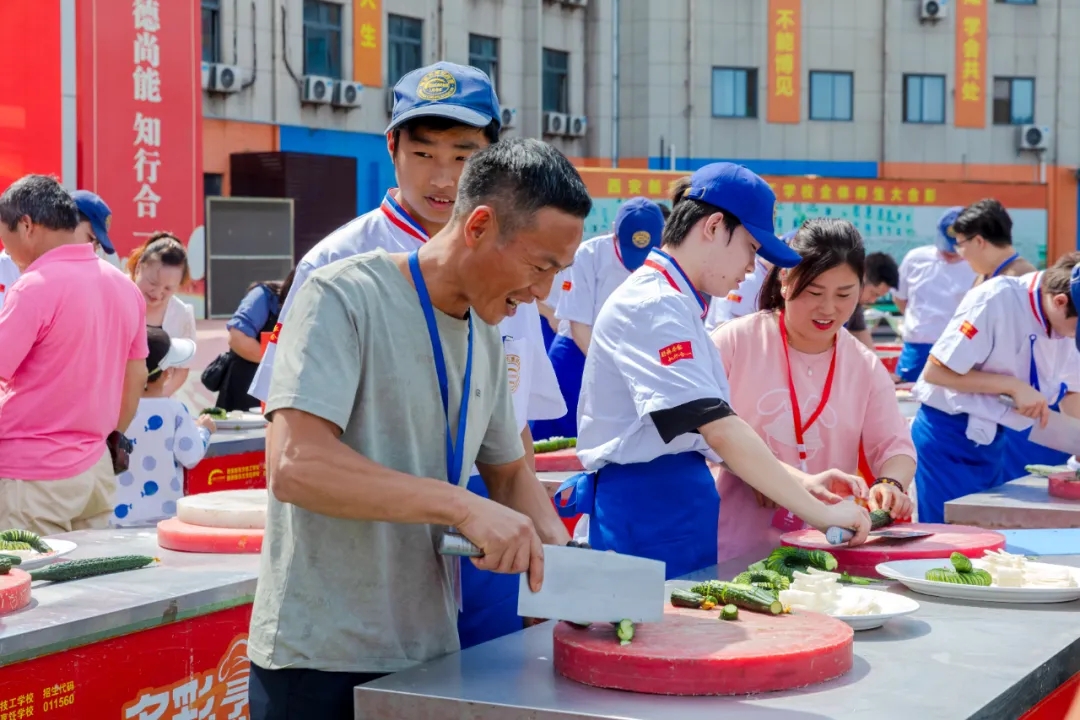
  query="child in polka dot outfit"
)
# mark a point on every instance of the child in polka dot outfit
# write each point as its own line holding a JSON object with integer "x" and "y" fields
{"x": 166, "y": 439}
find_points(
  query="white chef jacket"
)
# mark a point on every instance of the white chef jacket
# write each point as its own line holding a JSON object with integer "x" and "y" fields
{"x": 933, "y": 289}
{"x": 993, "y": 331}
{"x": 597, "y": 270}
{"x": 559, "y": 287}
{"x": 649, "y": 352}
{"x": 533, "y": 384}
{"x": 9, "y": 273}
{"x": 741, "y": 301}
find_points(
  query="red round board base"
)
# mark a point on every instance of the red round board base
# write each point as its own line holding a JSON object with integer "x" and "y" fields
{"x": 864, "y": 559}
{"x": 559, "y": 461}
{"x": 1064, "y": 486}
{"x": 694, "y": 652}
{"x": 175, "y": 535}
{"x": 14, "y": 591}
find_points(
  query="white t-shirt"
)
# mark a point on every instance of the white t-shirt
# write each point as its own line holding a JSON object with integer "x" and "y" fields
{"x": 179, "y": 322}
{"x": 992, "y": 331}
{"x": 741, "y": 301}
{"x": 166, "y": 440}
{"x": 9, "y": 273}
{"x": 649, "y": 352}
{"x": 933, "y": 289}
{"x": 597, "y": 271}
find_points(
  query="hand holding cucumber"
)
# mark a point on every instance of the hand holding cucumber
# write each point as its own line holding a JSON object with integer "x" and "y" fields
{"x": 507, "y": 538}
{"x": 846, "y": 520}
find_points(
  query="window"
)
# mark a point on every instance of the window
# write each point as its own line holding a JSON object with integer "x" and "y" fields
{"x": 734, "y": 92}
{"x": 556, "y": 81}
{"x": 830, "y": 95}
{"x": 1014, "y": 101}
{"x": 211, "y": 31}
{"x": 924, "y": 99}
{"x": 322, "y": 38}
{"x": 484, "y": 54}
{"x": 406, "y": 38}
{"x": 213, "y": 184}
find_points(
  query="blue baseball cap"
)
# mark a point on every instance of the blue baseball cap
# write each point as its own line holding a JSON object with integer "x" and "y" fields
{"x": 743, "y": 193}
{"x": 99, "y": 215}
{"x": 446, "y": 90}
{"x": 638, "y": 227}
{"x": 945, "y": 239}
{"x": 1074, "y": 291}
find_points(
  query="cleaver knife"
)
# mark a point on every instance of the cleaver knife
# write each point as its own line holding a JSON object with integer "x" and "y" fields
{"x": 584, "y": 586}
{"x": 1062, "y": 433}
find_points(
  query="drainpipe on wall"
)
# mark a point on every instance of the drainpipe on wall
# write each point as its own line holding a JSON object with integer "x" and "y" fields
{"x": 540, "y": 69}
{"x": 614, "y": 83}
{"x": 882, "y": 155}
{"x": 689, "y": 82}
{"x": 440, "y": 50}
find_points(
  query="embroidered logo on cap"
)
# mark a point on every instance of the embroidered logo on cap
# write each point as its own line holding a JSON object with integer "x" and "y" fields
{"x": 275, "y": 333}
{"x": 676, "y": 352}
{"x": 108, "y": 221}
{"x": 436, "y": 85}
{"x": 968, "y": 330}
{"x": 641, "y": 239}
{"x": 565, "y": 285}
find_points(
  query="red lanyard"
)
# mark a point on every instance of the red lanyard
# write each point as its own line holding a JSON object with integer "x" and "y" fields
{"x": 796, "y": 415}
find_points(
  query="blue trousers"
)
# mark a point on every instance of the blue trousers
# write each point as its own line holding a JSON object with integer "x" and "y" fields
{"x": 912, "y": 360}
{"x": 950, "y": 465}
{"x": 666, "y": 509}
{"x": 569, "y": 364}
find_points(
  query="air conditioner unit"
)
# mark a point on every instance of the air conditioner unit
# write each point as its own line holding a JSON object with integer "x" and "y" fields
{"x": 556, "y": 123}
{"x": 932, "y": 9}
{"x": 207, "y": 75}
{"x": 225, "y": 78}
{"x": 389, "y": 101}
{"x": 347, "y": 94}
{"x": 509, "y": 117}
{"x": 317, "y": 90}
{"x": 1033, "y": 137}
{"x": 577, "y": 126}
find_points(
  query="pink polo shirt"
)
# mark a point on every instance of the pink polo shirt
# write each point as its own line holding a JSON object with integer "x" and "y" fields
{"x": 862, "y": 406}
{"x": 68, "y": 327}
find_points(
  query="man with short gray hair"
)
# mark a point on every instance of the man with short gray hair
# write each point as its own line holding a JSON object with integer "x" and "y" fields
{"x": 366, "y": 473}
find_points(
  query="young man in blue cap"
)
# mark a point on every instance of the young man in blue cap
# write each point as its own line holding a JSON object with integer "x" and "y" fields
{"x": 933, "y": 281}
{"x": 654, "y": 397}
{"x": 601, "y": 264}
{"x": 1023, "y": 349}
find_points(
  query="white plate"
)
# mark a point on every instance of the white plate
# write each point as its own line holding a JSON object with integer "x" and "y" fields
{"x": 892, "y": 605}
{"x": 33, "y": 560}
{"x": 912, "y": 573}
{"x": 241, "y": 421}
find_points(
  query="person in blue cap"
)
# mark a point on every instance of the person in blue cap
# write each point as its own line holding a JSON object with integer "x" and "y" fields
{"x": 94, "y": 220}
{"x": 933, "y": 281}
{"x": 655, "y": 396}
{"x": 601, "y": 264}
{"x": 1010, "y": 336}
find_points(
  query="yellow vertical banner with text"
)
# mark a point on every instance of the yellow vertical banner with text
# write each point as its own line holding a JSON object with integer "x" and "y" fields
{"x": 785, "y": 61}
{"x": 367, "y": 42}
{"x": 971, "y": 35}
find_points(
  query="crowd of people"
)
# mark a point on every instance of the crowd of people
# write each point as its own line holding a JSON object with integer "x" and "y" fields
{"x": 720, "y": 380}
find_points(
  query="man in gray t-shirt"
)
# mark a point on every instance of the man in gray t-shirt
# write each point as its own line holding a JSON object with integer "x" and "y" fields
{"x": 351, "y": 585}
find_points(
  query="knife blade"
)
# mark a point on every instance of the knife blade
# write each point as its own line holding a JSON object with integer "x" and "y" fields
{"x": 1062, "y": 433}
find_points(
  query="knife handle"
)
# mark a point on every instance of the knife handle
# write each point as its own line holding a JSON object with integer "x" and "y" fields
{"x": 838, "y": 535}
{"x": 455, "y": 544}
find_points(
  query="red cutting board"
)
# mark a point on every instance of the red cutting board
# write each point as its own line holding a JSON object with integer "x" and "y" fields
{"x": 14, "y": 591}
{"x": 1064, "y": 486}
{"x": 694, "y": 652}
{"x": 863, "y": 559}
{"x": 559, "y": 461}
{"x": 176, "y": 535}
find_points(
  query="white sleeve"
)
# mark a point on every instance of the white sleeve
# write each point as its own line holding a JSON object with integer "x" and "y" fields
{"x": 901, "y": 293}
{"x": 189, "y": 440}
{"x": 1070, "y": 370}
{"x": 664, "y": 362}
{"x": 545, "y": 399}
{"x": 968, "y": 338}
{"x": 577, "y": 303}
{"x": 260, "y": 384}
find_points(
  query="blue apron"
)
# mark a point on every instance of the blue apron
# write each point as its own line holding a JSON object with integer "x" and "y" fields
{"x": 549, "y": 334}
{"x": 912, "y": 360}
{"x": 488, "y": 599}
{"x": 569, "y": 364}
{"x": 950, "y": 465}
{"x": 665, "y": 509}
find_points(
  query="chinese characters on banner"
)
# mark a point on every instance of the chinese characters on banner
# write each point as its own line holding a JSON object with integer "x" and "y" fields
{"x": 785, "y": 61}
{"x": 367, "y": 48}
{"x": 971, "y": 34}
{"x": 140, "y": 115}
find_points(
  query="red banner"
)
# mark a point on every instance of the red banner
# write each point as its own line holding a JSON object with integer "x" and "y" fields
{"x": 194, "y": 668}
{"x": 227, "y": 472}
{"x": 140, "y": 115}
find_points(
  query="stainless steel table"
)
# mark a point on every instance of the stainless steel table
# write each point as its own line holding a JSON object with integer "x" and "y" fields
{"x": 1022, "y": 504}
{"x": 950, "y": 661}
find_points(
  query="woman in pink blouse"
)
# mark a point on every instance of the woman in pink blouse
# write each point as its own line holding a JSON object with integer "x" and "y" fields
{"x": 794, "y": 354}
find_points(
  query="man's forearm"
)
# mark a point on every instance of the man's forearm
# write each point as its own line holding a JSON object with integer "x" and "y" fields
{"x": 975, "y": 382}
{"x": 1070, "y": 404}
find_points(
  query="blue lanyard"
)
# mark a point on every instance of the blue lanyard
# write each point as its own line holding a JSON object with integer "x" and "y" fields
{"x": 1004, "y": 265}
{"x": 455, "y": 452}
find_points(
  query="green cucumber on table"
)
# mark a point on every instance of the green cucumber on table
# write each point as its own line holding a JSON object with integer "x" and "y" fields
{"x": 768, "y": 580}
{"x": 14, "y": 535}
{"x": 13, "y": 559}
{"x": 786, "y": 560}
{"x": 880, "y": 519}
{"x": 747, "y": 597}
{"x": 5, "y": 566}
{"x": 554, "y": 444}
{"x": 686, "y": 599}
{"x": 90, "y": 567}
